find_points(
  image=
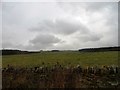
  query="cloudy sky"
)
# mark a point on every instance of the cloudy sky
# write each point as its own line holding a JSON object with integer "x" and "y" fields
{"x": 59, "y": 25}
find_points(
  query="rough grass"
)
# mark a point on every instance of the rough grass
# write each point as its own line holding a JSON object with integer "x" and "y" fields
{"x": 59, "y": 77}
{"x": 64, "y": 58}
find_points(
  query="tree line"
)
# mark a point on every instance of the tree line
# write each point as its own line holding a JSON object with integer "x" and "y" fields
{"x": 101, "y": 49}
{"x": 15, "y": 52}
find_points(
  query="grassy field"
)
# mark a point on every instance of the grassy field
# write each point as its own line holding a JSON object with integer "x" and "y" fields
{"x": 64, "y": 58}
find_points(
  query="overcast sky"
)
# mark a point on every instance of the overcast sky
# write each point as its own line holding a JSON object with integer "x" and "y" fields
{"x": 59, "y": 25}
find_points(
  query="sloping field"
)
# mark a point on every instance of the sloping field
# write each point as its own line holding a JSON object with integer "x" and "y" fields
{"x": 64, "y": 58}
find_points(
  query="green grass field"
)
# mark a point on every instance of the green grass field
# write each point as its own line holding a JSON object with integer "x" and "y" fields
{"x": 64, "y": 58}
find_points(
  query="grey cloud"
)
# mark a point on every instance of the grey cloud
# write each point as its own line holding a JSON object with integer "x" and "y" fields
{"x": 88, "y": 6}
{"x": 43, "y": 41}
{"x": 63, "y": 20}
{"x": 100, "y": 6}
{"x": 7, "y": 45}
{"x": 109, "y": 10}
{"x": 60, "y": 26}
{"x": 10, "y": 45}
{"x": 90, "y": 37}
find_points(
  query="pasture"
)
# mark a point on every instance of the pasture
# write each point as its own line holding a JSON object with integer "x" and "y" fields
{"x": 65, "y": 58}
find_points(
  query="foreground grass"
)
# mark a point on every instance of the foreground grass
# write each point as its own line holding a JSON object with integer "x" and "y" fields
{"x": 64, "y": 58}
